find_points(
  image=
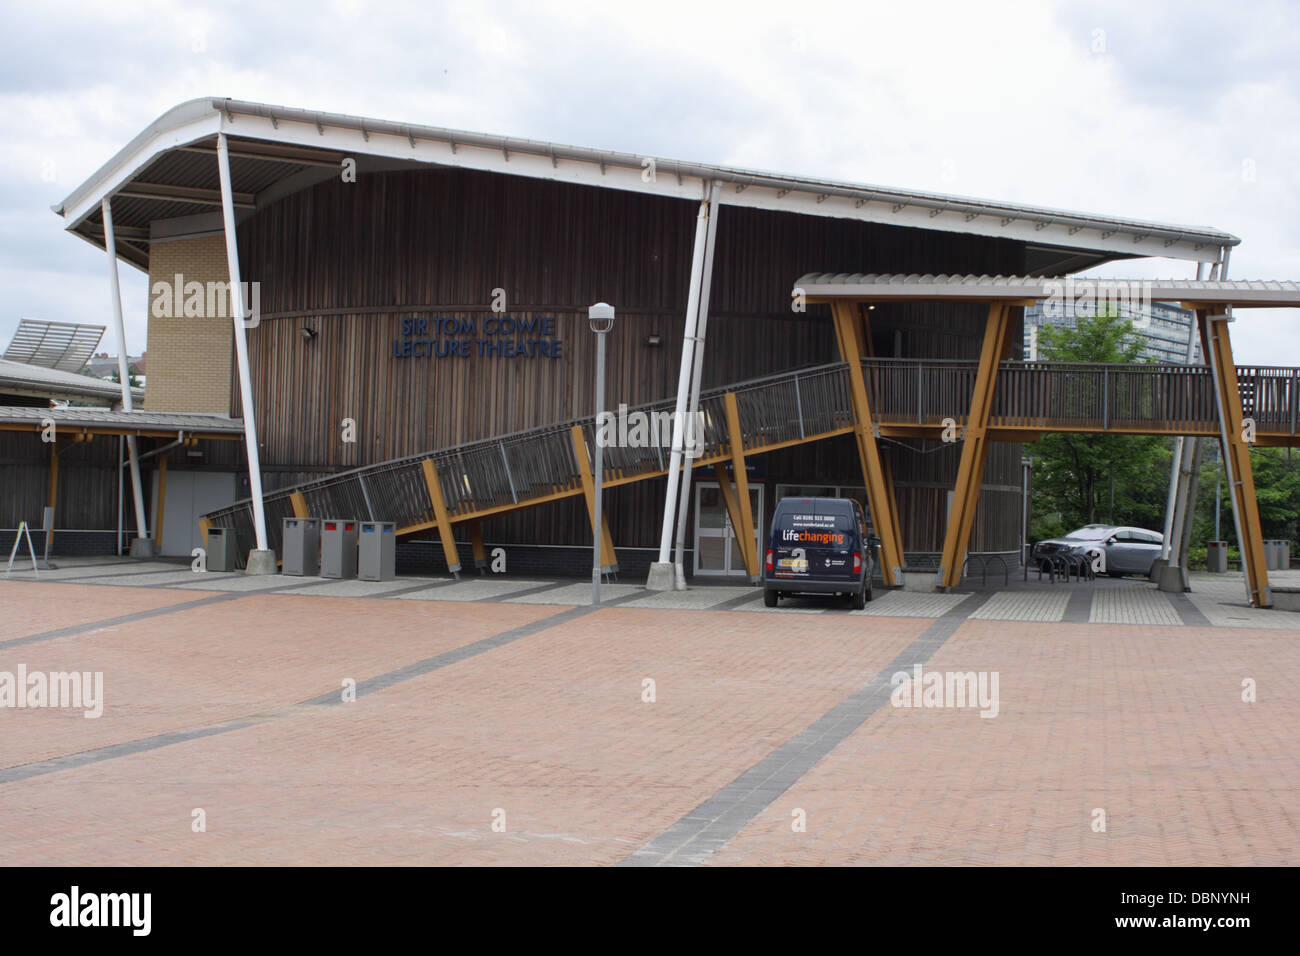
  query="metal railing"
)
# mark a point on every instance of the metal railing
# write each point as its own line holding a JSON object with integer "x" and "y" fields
{"x": 526, "y": 466}
{"x": 1142, "y": 397}
{"x": 540, "y": 462}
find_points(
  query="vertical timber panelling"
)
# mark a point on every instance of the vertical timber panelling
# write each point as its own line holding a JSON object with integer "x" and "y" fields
{"x": 351, "y": 260}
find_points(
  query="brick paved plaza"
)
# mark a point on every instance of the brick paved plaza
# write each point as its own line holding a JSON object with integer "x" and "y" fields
{"x": 503, "y": 721}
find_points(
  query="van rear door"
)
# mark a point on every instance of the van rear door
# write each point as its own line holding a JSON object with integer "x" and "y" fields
{"x": 813, "y": 542}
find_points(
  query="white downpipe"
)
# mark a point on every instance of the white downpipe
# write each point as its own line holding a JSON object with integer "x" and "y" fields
{"x": 124, "y": 376}
{"x": 684, "y": 379}
{"x": 236, "y": 298}
{"x": 693, "y": 408}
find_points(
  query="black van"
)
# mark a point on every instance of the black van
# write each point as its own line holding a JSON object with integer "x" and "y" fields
{"x": 819, "y": 546}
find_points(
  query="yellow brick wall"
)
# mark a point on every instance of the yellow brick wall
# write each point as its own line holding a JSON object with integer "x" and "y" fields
{"x": 189, "y": 362}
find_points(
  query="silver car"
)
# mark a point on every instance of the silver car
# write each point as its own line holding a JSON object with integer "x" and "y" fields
{"x": 1113, "y": 549}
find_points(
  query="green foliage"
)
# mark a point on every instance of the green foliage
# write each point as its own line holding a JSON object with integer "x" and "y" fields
{"x": 1277, "y": 489}
{"x": 133, "y": 380}
{"x": 1075, "y": 474}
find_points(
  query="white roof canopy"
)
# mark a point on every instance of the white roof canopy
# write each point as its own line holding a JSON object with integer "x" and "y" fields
{"x": 165, "y": 181}
{"x": 1241, "y": 293}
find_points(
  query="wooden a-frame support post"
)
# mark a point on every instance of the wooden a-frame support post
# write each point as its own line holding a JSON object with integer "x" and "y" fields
{"x": 745, "y": 528}
{"x": 1217, "y": 347}
{"x": 850, "y": 335}
{"x": 476, "y": 545}
{"x": 608, "y": 561}
{"x": 449, "y": 552}
{"x": 974, "y": 449}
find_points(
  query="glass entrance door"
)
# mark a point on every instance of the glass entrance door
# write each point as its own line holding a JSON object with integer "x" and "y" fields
{"x": 717, "y": 546}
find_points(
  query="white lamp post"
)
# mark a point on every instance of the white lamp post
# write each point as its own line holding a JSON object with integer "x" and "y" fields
{"x": 601, "y": 318}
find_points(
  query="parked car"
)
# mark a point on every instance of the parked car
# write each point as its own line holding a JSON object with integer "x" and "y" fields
{"x": 819, "y": 546}
{"x": 1113, "y": 549}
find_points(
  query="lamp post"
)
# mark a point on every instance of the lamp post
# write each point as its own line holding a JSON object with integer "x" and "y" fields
{"x": 601, "y": 318}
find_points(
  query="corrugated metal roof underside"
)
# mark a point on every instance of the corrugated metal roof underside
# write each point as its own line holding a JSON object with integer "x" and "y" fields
{"x": 1261, "y": 292}
{"x": 53, "y": 383}
{"x": 116, "y": 418}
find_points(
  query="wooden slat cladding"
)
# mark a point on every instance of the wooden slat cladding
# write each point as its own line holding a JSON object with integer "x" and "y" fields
{"x": 351, "y": 260}
{"x": 87, "y": 490}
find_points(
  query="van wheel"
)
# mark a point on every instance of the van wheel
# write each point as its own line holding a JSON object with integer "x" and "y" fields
{"x": 869, "y": 594}
{"x": 860, "y": 598}
{"x": 769, "y": 598}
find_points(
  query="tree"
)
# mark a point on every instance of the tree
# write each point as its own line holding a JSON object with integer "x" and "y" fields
{"x": 132, "y": 379}
{"x": 1078, "y": 476}
{"x": 1277, "y": 492}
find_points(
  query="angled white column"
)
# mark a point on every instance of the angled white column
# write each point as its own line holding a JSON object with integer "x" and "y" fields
{"x": 142, "y": 547}
{"x": 691, "y": 420}
{"x": 261, "y": 560}
{"x": 1175, "y": 505}
{"x": 661, "y": 572}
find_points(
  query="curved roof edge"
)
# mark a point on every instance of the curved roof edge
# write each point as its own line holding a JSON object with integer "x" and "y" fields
{"x": 1121, "y": 237}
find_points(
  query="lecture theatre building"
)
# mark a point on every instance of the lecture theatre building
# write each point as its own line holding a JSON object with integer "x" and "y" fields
{"x": 412, "y": 290}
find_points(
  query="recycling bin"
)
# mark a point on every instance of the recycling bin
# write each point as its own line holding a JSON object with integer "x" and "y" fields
{"x": 338, "y": 548}
{"x": 300, "y": 540}
{"x": 377, "y": 552}
{"x": 1216, "y": 557}
{"x": 1272, "y": 554}
{"x": 1285, "y": 563}
{"x": 221, "y": 549}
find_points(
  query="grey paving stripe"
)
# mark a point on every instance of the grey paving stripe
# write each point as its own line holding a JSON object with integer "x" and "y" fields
{"x": 1078, "y": 609}
{"x": 72, "y": 761}
{"x": 709, "y": 827}
{"x": 539, "y": 589}
{"x": 1189, "y": 612}
{"x": 736, "y": 602}
{"x": 142, "y": 615}
{"x": 115, "y": 621}
{"x": 132, "y": 574}
{"x": 427, "y": 585}
{"x": 371, "y": 685}
{"x": 383, "y": 681}
{"x": 55, "y": 565}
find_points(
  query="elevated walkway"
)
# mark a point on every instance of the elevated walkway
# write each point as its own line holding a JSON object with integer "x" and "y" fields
{"x": 464, "y": 484}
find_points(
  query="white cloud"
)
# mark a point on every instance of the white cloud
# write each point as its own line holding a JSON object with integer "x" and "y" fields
{"x": 1185, "y": 114}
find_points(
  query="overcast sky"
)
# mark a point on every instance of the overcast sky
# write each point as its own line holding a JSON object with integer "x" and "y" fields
{"x": 1182, "y": 112}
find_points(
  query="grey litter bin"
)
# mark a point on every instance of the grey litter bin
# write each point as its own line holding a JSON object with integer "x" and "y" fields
{"x": 300, "y": 540}
{"x": 1285, "y": 563}
{"x": 1271, "y": 554}
{"x": 221, "y": 549}
{"x": 1216, "y": 557}
{"x": 338, "y": 548}
{"x": 378, "y": 551}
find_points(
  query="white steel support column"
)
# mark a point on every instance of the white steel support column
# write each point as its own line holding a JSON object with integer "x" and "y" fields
{"x": 1176, "y": 464}
{"x": 261, "y": 560}
{"x": 661, "y": 572}
{"x": 1176, "y": 502}
{"x": 692, "y": 431}
{"x": 124, "y": 376}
